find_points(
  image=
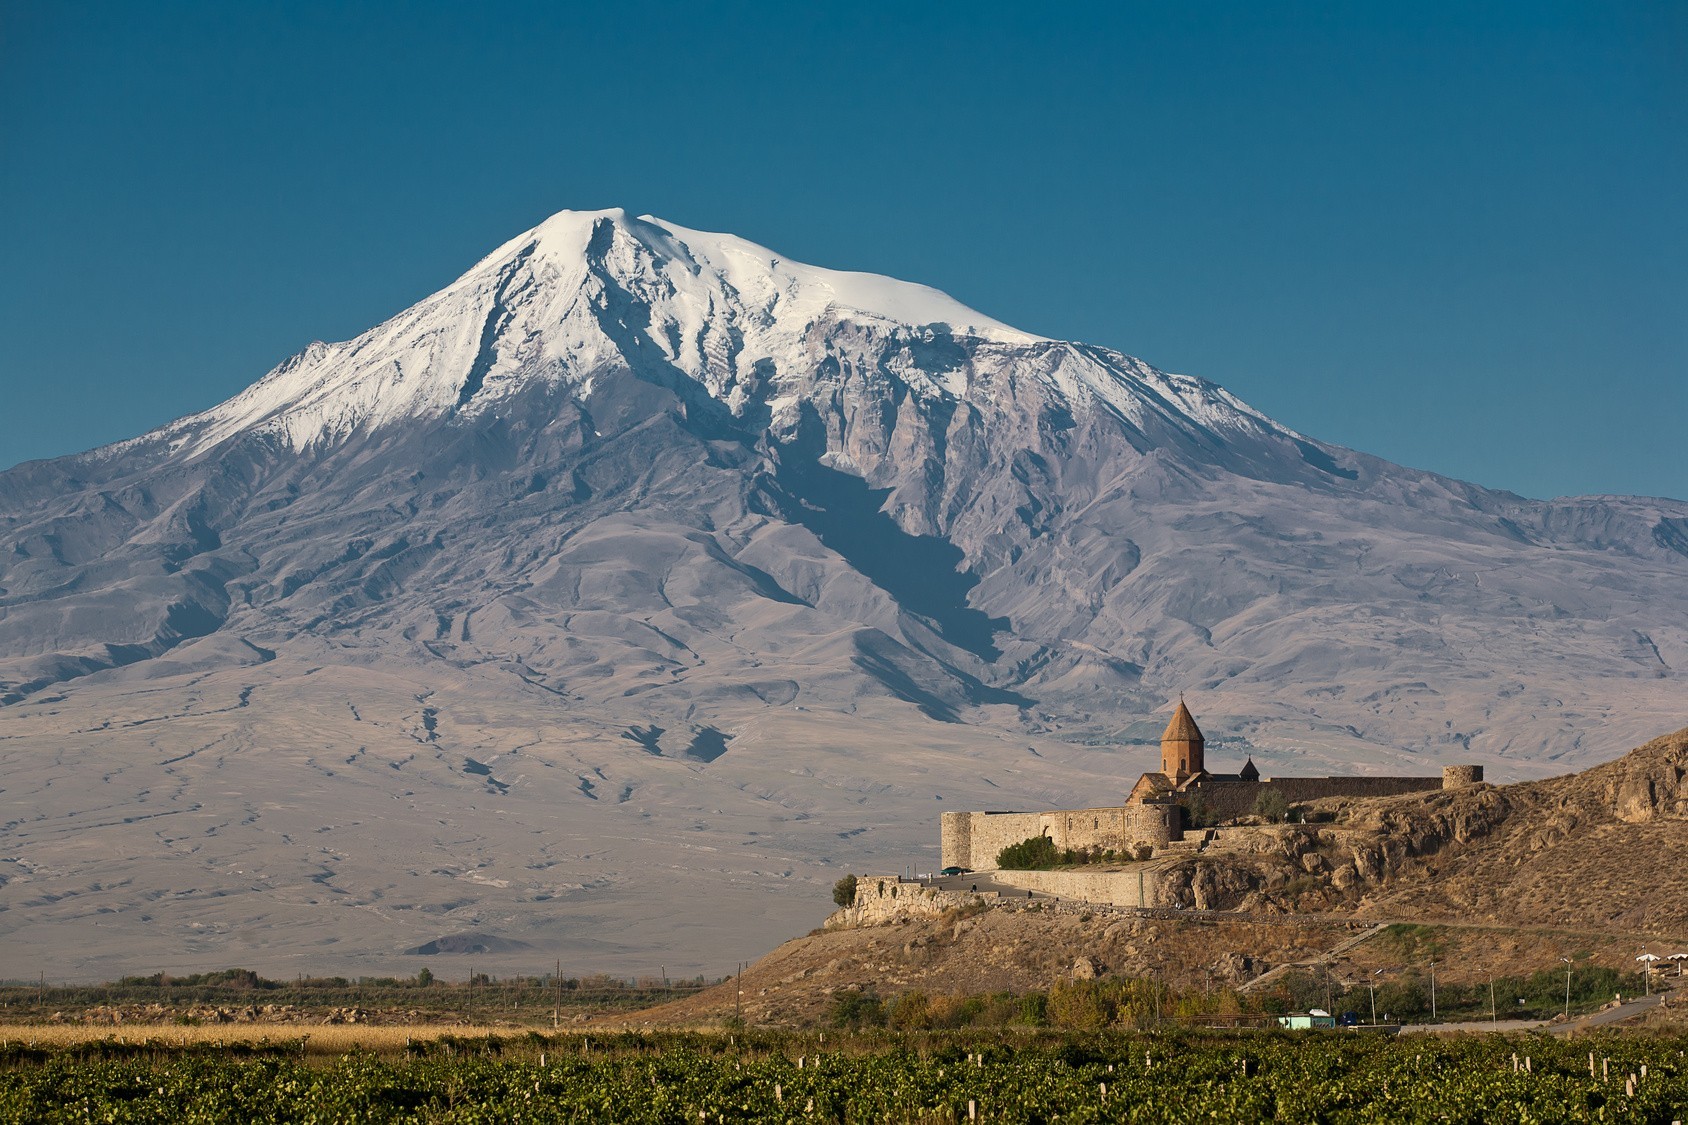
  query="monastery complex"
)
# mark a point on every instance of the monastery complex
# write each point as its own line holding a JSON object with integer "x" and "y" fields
{"x": 1162, "y": 805}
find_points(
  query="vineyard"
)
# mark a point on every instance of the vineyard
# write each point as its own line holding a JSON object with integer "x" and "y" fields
{"x": 879, "y": 1076}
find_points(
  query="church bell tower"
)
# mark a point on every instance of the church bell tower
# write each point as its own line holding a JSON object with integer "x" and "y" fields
{"x": 1182, "y": 746}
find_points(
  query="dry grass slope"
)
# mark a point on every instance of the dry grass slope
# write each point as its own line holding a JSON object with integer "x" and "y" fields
{"x": 1603, "y": 849}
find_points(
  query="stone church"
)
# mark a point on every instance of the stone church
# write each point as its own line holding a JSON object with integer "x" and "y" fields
{"x": 1182, "y": 794}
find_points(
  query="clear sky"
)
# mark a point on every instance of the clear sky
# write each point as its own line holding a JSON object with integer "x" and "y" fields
{"x": 1450, "y": 235}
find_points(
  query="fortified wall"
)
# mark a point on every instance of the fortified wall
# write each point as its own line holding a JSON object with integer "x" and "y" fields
{"x": 888, "y": 898}
{"x": 974, "y": 839}
{"x": 1161, "y": 805}
{"x": 1223, "y": 798}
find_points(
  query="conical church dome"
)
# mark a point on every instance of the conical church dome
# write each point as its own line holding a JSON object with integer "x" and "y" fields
{"x": 1183, "y": 726}
{"x": 1182, "y": 746}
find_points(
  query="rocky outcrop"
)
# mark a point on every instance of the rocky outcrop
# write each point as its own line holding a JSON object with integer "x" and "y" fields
{"x": 1568, "y": 850}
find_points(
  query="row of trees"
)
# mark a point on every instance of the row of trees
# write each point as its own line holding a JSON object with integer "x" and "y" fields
{"x": 1122, "y": 1002}
{"x": 1143, "y": 1002}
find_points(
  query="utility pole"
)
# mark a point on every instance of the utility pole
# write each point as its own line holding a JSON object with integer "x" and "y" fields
{"x": 1492, "y": 1016}
{"x": 1433, "y": 990}
{"x": 738, "y": 994}
{"x": 557, "y": 1012}
{"x": 1371, "y": 983}
{"x": 1567, "y": 961}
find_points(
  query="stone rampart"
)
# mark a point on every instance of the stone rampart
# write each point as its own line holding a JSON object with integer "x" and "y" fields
{"x": 1132, "y": 887}
{"x": 974, "y": 839}
{"x": 1227, "y": 798}
{"x": 881, "y": 899}
{"x": 1083, "y": 828}
{"x": 1457, "y": 777}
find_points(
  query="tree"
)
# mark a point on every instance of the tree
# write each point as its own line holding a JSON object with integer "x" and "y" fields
{"x": 844, "y": 891}
{"x": 1197, "y": 813}
{"x": 851, "y": 1007}
{"x": 1271, "y": 805}
{"x": 424, "y": 978}
{"x": 1032, "y": 854}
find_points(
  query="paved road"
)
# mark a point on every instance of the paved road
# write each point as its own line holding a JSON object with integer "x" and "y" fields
{"x": 982, "y": 882}
{"x": 1479, "y": 1026}
{"x": 1627, "y": 1010}
{"x": 1622, "y": 1012}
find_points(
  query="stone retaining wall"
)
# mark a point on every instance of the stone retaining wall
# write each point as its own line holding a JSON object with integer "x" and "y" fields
{"x": 881, "y": 899}
{"x": 1132, "y": 887}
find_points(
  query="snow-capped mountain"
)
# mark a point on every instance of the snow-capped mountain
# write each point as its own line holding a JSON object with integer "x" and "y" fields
{"x": 640, "y": 534}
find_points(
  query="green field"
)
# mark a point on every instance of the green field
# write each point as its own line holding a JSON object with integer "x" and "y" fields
{"x": 880, "y": 1076}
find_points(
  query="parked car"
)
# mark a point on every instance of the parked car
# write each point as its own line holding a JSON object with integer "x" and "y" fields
{"x": 956, "y": 871}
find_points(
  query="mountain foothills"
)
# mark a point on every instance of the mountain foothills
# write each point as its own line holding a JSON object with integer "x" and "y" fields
{"x": 618, "y": 596}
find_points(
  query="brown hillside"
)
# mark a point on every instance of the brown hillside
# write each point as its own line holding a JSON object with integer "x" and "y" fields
{"x": 1603, "y": 848}
{"x": 1010, "y": 948}
{"x": 1599, "y": 850}
{"x": 1585, "y": 865}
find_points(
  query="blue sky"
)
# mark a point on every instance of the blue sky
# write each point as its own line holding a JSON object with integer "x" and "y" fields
{"x": 1453, "y": 236}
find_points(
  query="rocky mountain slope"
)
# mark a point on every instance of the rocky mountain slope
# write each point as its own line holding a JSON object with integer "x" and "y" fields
{"x": 641, "y": 563}
{"x": 1595, "y": 849}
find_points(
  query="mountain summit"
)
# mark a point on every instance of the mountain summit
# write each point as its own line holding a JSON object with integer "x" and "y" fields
{"x": 640, "y": 558}
{"x": 582, "y": 291}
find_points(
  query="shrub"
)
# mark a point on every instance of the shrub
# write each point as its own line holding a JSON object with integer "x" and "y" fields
{"x": 1079, "y": 1006}
{"x": 1033, "y": 854}
{"x": 851, "y": 1007}
{"x": 1271, "y": 805}
{"x": 1144, "y": 852}
{"x": 844, "y": 891}
{"x": 911, "y": 1012}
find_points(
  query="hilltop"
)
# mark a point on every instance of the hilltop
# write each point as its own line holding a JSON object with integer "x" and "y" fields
{"x": 1486, "y": 881}
{"x": 1587, "y": 849}
{"x": 1602, "y": 848}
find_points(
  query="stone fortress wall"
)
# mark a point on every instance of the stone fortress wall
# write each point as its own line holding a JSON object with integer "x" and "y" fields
{"x": 1227, "y": 798}
{"x": 889, "y": 898}
{"x": 974, "y": 839}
